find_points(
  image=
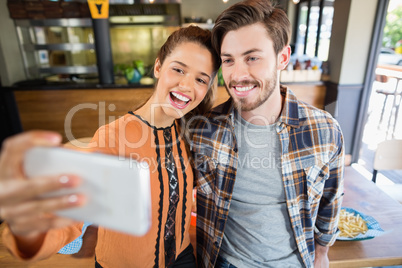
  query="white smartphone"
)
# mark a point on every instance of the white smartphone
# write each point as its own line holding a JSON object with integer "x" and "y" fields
{"x": 118, "y": 190}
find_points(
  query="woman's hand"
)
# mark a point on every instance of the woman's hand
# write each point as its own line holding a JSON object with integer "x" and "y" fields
{"x": 28, "y": 215}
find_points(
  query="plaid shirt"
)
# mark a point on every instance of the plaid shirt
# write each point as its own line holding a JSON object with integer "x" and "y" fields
{"x": 312, "y": 173}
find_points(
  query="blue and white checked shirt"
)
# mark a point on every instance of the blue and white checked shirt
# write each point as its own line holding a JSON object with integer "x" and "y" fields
{"x": 75, "y": 246}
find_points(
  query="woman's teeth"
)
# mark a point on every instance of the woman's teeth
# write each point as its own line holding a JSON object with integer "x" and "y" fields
{"x": 180, "y": 97}
{"x": 243, "y": 89}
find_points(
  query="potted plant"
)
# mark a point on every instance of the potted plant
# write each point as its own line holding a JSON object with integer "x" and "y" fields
{"x": 132, "y": 72}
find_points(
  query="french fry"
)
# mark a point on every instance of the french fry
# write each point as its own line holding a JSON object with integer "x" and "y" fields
{"x": 351, "y": 225}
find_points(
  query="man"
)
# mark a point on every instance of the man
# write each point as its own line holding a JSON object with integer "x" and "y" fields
{"x": 269, "y": 167}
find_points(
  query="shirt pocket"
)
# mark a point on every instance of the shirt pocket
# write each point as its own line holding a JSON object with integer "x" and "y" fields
{"x": 316, "y": 176}
{"x": 205, "y": 169}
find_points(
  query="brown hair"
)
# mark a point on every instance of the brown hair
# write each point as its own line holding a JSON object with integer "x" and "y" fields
{"x": 202, "y": 37}
{"x": 249, "y": 12}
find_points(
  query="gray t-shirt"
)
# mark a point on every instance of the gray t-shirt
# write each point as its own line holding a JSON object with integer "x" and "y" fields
{"x": 258, "y": 232}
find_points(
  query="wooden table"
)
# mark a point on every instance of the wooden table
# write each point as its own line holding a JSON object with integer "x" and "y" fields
{"x": 385, "y": 250}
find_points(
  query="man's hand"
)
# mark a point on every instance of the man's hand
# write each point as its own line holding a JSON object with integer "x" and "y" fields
{"x": 321, "y": 256}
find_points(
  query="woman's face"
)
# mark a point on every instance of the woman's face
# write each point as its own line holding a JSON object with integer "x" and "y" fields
{"x": 183, "y": 80}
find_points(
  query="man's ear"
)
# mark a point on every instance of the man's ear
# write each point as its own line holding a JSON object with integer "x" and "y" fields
{"x": 284, "y": 57}
{"x": 157, "y": 68}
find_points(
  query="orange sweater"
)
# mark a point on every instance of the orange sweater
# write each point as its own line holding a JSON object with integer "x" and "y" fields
{"x": 131, "y": 137}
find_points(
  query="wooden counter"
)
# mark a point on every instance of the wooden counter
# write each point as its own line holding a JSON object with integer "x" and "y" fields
{"x": 83, "y": 111}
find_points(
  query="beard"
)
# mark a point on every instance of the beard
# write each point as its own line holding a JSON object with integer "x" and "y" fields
{"x": 246, "y": 105}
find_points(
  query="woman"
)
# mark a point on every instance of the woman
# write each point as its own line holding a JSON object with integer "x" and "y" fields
{"x": 185, "y": 68}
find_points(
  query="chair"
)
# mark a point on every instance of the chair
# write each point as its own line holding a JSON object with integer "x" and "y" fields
{"x": 386, "y": 91}
{"x": 388, "y": 156}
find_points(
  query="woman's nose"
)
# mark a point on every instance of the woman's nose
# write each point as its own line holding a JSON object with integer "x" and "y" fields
{"x": 186, "y": 82}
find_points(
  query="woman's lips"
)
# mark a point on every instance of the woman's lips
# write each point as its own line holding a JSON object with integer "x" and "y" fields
{"x": 179, "y": 100}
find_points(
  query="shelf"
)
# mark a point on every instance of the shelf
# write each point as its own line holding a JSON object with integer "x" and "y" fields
{"x": 68, "y": 70}
{"x": 73, "y": 22}
{"x": 62, "y": 47}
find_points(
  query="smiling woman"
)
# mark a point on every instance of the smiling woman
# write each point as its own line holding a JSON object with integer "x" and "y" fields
{"x": 183, "y": 81}
{"x": 185, "y": 69}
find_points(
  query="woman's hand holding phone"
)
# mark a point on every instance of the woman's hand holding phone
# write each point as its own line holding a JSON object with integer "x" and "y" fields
{"x": 28, "y": 215}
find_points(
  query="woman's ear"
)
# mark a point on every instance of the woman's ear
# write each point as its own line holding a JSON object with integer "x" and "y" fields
{"x": 157, "y": 68}
{"x": 284, "y": 57}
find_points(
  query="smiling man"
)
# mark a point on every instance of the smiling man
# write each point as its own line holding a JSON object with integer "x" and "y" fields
{"x": 269, "y": 168}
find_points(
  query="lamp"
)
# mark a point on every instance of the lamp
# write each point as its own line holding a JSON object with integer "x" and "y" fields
{"x": 296, "y": 2}
{"x": 225, "y": 1}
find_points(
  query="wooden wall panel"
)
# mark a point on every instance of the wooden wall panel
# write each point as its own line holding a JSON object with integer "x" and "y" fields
{"x": 88, "y": 109}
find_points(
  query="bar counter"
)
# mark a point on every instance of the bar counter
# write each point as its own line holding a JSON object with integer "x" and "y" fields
{"x": 77, "y": 110}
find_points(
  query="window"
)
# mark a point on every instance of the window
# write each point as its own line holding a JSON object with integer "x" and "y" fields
{"x": 314, "y": 25}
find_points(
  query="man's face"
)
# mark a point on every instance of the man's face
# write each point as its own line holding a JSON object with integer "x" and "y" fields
{"x": 250, "y": 66}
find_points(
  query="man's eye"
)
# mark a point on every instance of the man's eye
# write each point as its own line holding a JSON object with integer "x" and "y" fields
{"x": 226, "y": 61}
{"x": 252, "y": 58}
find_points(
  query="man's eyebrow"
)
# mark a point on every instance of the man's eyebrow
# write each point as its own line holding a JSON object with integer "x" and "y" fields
{"x": 243, "y": 54}
{"x": 185, "y": 65}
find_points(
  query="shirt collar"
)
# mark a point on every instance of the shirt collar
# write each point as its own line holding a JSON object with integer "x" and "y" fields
{"x": 290, "y": 110}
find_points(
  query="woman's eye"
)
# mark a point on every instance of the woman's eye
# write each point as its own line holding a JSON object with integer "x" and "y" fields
{"x": 202, "y": 81}
{"x": 178, "y": 70}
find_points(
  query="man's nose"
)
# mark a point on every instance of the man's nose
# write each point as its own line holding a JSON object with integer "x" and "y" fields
{"x": 240, "y": 71}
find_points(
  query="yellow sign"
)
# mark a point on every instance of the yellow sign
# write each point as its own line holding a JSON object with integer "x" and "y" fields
{"x": 99, "y": 9}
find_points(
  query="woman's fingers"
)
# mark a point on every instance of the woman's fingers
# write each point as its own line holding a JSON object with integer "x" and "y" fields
{"x": 37, "y": 216}
{"x": 14, "y": 191}
{"x": 14, "y": 148}
{"x": 41, "y": 206}
{"x": 22, "y": 200}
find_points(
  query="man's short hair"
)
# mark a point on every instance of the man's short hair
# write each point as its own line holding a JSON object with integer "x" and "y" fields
{"x": 250, "y": 12}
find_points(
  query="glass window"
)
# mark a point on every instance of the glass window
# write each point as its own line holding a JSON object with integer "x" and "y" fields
{"x": 314, "y": 28}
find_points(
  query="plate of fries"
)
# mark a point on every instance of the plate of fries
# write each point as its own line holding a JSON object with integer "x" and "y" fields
{"x": 354, "y": 225}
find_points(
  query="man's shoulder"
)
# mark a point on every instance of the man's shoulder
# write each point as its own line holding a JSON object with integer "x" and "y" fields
{"x": 212, "y": 131}
{"x": 216, "y": 116}
{"x": 221, "y": 111}
{"x": 315, "y": 115}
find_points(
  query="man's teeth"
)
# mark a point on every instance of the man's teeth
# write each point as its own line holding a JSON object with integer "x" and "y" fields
{"x": 180, "y": 97}
{"x": 242, "y": 89}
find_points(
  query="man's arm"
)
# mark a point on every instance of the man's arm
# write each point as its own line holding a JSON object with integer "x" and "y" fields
{"x": 321, "y": 256}
{"x": 326, "y": 226}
